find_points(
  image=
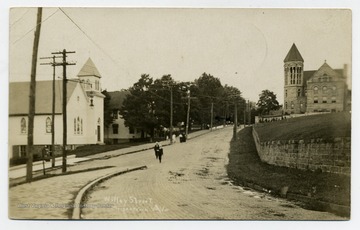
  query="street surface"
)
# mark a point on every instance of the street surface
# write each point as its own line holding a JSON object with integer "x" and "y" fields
{"x": 190, "y": 183}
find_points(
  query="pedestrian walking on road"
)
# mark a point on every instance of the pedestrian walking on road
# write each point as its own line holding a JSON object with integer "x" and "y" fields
{"x": 158, "y": 151}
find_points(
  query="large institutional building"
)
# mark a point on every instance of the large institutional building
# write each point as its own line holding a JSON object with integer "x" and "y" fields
{"x": 322, "y": 90}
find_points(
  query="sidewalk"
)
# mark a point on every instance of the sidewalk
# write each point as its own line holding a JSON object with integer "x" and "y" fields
{"x": 20, "y": 170}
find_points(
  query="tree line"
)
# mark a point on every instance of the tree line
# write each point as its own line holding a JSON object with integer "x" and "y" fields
{"x": 147, "y": 105}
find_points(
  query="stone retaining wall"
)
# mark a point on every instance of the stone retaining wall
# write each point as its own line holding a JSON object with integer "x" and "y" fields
{"x": 332, "y": 156}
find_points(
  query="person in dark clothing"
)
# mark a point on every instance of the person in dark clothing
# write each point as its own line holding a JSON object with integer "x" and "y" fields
{"x": 158, "y": 151}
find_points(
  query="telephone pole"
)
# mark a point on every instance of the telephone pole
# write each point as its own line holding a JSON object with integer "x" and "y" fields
{"x": 212, "y": 116}
{"x": 235, "y": 120}
{"x": 188, "y": 113}
{"x": 64, "y": 102}
{"x": 171, "y": 114}
{"x": 30, "y": 137}
{"x": 53, "y": 64}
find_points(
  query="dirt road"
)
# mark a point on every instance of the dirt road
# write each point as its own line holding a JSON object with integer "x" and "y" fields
{"x": 190, "y": 183}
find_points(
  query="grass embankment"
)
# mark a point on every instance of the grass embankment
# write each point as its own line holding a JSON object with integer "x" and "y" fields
{"x": 325, "y": 126}
{"x": 245, "y": 167}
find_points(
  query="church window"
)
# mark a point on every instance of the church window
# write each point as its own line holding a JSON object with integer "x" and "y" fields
{"x": 286, "y": 105}
{"x": 48, "y": 125}
{"x": 285, "y": 92}
{"x": 299, "y": 92}
{"x": 316, "y": 100}
{"x": 78, "y": 125}
{"x": 23, "y": 125}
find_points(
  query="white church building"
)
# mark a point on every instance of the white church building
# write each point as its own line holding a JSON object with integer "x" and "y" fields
{"x": 85, "y": 106}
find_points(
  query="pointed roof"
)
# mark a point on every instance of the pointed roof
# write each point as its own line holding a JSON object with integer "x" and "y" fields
{"x": 19, "y": 101}
{"x": 293, "y": 54}
{"x": 89, "y": 69}
{"x": 326, "y": 69}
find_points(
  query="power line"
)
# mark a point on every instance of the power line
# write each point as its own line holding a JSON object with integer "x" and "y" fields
{"x": 21, "y": 17}
{"x": 16, "y": 41}
{"x": 92, "y": 40}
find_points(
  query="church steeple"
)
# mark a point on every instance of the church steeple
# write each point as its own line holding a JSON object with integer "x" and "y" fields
{"x": 293, "y": 54}
{"x": 90, "y": 76}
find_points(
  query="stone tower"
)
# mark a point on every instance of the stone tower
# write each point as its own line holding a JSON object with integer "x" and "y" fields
{"x": 294, "y": 95}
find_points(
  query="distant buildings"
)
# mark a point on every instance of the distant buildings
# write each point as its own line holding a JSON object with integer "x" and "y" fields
{"x": 322, "y": 90}
{"x": 85, "y": 106}
{"x": 117, "y": 132}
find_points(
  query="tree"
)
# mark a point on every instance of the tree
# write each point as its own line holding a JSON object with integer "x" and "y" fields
{"x": 138, "y": 107}
{"x": 209, "y": 92}
{"x": 267, "y": 102}
{"x": 108, "y": 118}
{"x": 232, "y": 95}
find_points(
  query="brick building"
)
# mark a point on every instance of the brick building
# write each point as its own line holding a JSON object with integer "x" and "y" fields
{"x": 322, "y": 90}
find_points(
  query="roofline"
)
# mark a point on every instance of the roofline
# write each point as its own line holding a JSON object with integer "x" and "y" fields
{"x": 26, "y": 114}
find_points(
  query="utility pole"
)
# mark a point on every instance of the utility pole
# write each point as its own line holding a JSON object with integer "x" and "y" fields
{"x": 64, "y": 102}
{"x": 249, "y": 105}
{"x": 53, "y": 64}
{"x": 188, "y": 113}
{"x": 235, "y": 120}
{"x": 212, "y": 116}
{"x": 245, "y": 114}
{"x": 30, "y": 137}
{"x": 171, "y": 114}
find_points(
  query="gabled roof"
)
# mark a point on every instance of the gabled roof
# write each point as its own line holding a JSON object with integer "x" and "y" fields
{"x": 89, "y": 69}
{"x": 326, "y": 69}
{"x": 117, "y": 99}
{"x": 293, "y": 54}
{"x": 19, "y": 93}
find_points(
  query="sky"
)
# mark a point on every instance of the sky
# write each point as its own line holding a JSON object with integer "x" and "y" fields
{"x": 244, "y": 48}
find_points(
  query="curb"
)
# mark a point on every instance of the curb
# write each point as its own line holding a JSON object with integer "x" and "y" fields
{"x": 79, "y": 199}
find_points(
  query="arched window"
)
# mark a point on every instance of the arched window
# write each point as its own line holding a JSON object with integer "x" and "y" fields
{"x": 285, "y": 92}
{"x": 48, "y": 125}
{"x": 299, "y": 92}
{"x": 324, "y": 89}
{"x": 88, "y": 85}
{"x": 23, "y": 125}
{"x": 74, "y": 125}
{"x": 286, "y": 106}
{"x": 78, "y": 125}
{"x": 316, "y": 89}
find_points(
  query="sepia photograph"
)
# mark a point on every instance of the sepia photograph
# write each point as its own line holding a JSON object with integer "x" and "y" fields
{"x": 170, "y": 113}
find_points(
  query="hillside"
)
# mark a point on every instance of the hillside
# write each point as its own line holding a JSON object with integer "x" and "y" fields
{"x": 325, "y": 126}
